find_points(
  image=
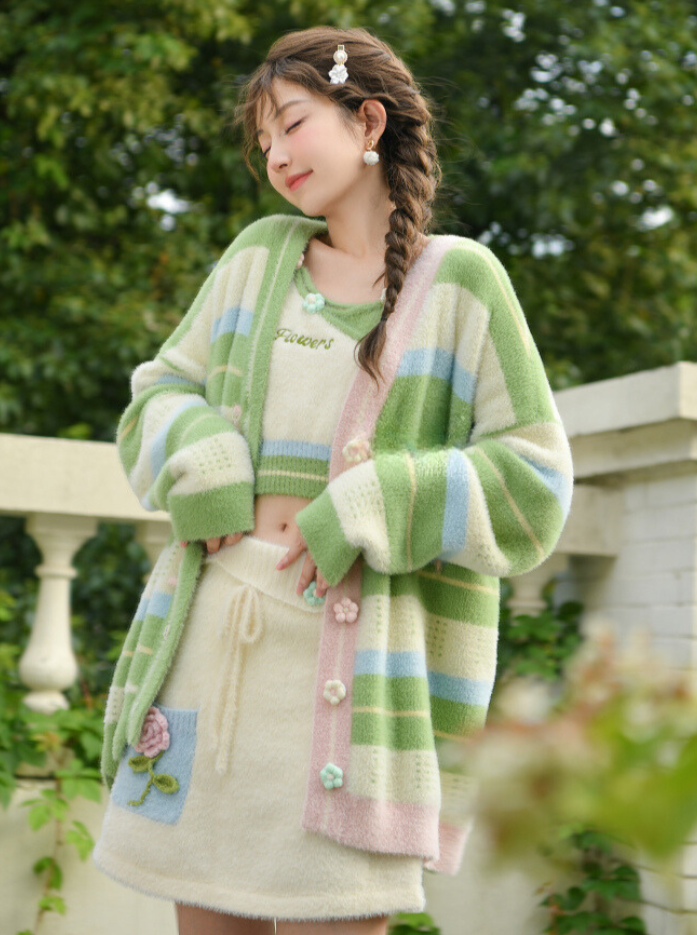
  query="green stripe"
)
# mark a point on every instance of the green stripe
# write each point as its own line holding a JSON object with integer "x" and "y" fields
{"x": 404, "y": 693}
{"x": 438, "y": 594}
{"x": 394, "y": 733}
{"x": 218, "y": 512}
{"x": 451, "y": 717}
{"x": 429, "y": 506}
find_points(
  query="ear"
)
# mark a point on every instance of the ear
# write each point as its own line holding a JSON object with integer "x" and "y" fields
{"x": 373, "y": 117}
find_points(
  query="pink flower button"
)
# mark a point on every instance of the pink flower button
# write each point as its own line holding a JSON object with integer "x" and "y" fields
{"x": 346, "y": 611}
{"x": 357, "y": 450}
{"x": 154, "y": 737}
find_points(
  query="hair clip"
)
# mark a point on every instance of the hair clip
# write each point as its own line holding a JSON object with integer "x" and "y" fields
{"x": 338, "y": 74}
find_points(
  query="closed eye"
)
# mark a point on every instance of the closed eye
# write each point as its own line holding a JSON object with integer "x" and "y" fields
{"x": 265, "y": 152}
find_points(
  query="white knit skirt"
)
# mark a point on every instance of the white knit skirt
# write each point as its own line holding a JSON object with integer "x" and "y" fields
{"x": 209, "y": 812}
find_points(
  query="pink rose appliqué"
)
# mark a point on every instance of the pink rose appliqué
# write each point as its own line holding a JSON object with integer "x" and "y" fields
{"x": 154, "y": 738}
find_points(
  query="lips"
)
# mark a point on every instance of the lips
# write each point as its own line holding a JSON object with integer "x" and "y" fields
{"x": 294, "y": 181}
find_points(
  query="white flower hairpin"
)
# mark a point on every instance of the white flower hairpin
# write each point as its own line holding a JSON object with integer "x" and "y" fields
{"x": 338, "y": 74}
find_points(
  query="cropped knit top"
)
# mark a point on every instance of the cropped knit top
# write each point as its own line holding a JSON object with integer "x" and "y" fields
{"x": 312, "y": 359}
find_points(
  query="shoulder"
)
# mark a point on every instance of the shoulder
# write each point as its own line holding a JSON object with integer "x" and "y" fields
{"x": 478, "y": 273}
{"x": 466, "y": 261}
{"x": 272, "y": 233}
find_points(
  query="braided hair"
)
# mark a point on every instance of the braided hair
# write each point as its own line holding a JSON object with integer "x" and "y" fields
{"x": 406, "y": 147}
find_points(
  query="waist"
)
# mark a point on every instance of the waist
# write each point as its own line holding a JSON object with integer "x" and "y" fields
{"x": 274, "y": 518}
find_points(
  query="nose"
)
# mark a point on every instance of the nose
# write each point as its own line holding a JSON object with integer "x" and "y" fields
{"x": 277, "y": 158}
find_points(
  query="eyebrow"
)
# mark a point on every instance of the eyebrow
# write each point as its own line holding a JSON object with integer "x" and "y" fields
{"x": 299, "y": 100}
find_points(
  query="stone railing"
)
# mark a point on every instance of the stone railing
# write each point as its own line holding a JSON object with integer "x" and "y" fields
{"x": 628, "y": 553}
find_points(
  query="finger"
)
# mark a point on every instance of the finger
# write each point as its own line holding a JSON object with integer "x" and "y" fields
{"x": 322, "y": 584}
{"x": 294, "y": 552}
{"x": 212, "y": 545}
{"x": 233, "y": 538}
{"x": 306, "y": 575}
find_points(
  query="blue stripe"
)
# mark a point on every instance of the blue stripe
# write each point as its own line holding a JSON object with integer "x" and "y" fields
{"x": 285, "y": 448}
{"x": 464, "y": 384}
{"x": 437, "y": 362}
{"x": 158, "y": 448}
{"x": 235, "y": 319}
{"x": 142, "y": 607}
{"x": 555, "y": 481}
{"x": 172, "y": 378}
{"x": 427, "y": 361}
{"x": 464, "y": 691}
{"x": 456, "y": 503}
{"x": 159, "y": 604}
{"x": 380, "y": 662}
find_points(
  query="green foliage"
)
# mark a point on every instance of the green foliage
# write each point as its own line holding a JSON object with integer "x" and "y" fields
{"x": 537, "y": 646}
{"x": 594, "y": 904}
{"x": 411, "y": 923}
{"x": 72, "y": 738}
{"x": 548, "y": 114}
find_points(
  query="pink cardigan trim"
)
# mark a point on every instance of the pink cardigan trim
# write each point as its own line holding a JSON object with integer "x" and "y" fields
{"x": 389, "y": 827}
{"x": 452, "y": 847}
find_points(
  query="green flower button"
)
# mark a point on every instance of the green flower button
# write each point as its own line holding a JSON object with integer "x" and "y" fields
{"x": 311, "y": 596}
{"x": 332, "y": 776}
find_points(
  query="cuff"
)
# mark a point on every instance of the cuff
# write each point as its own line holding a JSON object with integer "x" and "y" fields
{"x": 211, "y": 513}
{"x": 451, "y": 842}
{"x": 321, "y": 528}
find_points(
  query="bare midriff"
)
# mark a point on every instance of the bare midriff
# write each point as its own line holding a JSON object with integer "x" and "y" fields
{"x": 274, "y": 517}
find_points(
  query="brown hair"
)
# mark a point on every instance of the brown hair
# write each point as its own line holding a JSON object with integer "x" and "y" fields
{"x": 407, "y": 149}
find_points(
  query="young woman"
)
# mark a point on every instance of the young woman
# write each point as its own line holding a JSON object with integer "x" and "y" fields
{"x": 321, "y": 626}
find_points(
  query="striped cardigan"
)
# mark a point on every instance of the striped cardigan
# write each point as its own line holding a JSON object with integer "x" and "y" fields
{"x": 454, "y": 472}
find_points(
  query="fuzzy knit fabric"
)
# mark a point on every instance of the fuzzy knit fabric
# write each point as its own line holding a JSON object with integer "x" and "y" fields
{"x": 454, "y": 472}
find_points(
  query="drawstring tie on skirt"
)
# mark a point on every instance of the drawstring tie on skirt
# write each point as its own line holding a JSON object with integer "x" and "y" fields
{"x": 241, "y": 624}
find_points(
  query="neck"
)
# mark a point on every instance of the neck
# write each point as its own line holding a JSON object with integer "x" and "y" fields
{"x": 358, "y": 227}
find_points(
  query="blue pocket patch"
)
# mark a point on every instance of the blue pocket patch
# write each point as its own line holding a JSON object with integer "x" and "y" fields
{"x": 156, "y": 786}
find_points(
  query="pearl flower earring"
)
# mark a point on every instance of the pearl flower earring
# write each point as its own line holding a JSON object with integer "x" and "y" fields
{"x": 369, "y": 157}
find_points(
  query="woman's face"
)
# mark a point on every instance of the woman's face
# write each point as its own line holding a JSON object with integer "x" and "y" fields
{"x": 308, "y": 138}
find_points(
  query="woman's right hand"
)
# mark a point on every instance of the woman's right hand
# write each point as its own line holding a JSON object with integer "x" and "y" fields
{"x": 214, "y": 545}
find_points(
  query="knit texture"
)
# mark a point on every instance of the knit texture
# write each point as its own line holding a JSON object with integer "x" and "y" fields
{"x": 456, "y": 471}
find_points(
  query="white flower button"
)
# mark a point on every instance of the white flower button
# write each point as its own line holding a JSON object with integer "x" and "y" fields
{"x": 334, "y": 691}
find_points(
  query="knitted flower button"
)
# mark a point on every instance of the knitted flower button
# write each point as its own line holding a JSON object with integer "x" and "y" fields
{"x": 332, "y": 776}
{"x": 357, "y": 450}
{"x": 346, "y": 611}
{"x": 313, "y": 302}
{"x": 334, "y": 691}
{"x": 311, "y": 596}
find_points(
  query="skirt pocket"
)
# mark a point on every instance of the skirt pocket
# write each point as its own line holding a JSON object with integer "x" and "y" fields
{"x": 154, "y": 781}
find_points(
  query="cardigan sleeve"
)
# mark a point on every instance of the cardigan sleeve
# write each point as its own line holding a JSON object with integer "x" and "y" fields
{"x": 496, "y": 503}
{"x": 180, "y": 453}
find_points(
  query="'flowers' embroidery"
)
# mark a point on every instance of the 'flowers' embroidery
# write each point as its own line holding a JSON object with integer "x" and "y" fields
{"x": 346, "y": 611}
{"x": 313, "y": 302}
{"x": 154, "y": 740}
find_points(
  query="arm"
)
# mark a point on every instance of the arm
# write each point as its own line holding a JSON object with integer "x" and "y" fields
{"x": 496, "y": 502}
{"x": 179, "y": 452}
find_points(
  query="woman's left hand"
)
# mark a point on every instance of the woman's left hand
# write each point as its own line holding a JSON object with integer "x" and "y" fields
{"x": 309, "y": 571}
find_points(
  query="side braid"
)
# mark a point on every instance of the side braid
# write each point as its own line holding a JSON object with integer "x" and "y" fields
{"x": 412, "y": 175}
